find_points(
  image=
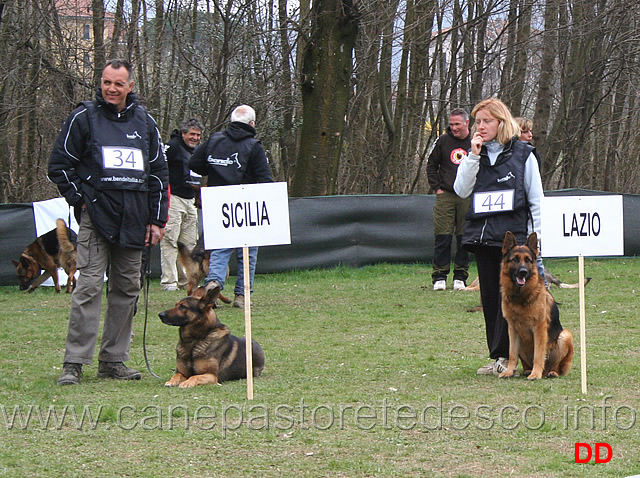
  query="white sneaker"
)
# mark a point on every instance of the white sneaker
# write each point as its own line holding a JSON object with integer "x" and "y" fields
{"x": 496, "y": 367}
{"x": 458, "y": 285}
{"x": 500, "y": 365}
{"x": 169, "y": 287}
{"x": 486, "y": 369}
{"x": 440, "y": 285}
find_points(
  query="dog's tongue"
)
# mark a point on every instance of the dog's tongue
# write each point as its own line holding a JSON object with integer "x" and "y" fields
{"x": 521, "y": 281}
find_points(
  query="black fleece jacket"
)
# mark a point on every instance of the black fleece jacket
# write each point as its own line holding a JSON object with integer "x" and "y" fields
{"x": 231, "y": 157}
{"x": 119, "y": 215}
{"x": 444, "y": 159}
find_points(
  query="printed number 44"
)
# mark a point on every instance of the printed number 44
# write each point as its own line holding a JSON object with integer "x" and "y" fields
{"x": 494, "y": 201}
{"x": 499, "y": 202}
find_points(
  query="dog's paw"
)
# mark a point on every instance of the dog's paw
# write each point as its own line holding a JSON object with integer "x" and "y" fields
{"x": 506, "y": 374}
{"x": 188, "y": 384}
{"x": 534, "y": 376}
{"x": 553, "y": 374}
{"x": 175, "y": 381}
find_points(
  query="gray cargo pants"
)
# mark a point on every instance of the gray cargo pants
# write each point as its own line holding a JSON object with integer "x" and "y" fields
{"x": 95, "y": 254}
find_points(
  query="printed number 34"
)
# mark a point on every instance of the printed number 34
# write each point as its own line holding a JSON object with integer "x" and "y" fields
{"x": 122, "y": 158}
{"x": 130, "y": 159}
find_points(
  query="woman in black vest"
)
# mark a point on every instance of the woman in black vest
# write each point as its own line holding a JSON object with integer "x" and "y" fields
{"x": 501, "y": 174}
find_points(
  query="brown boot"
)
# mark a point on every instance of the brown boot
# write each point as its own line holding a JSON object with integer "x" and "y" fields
{"x": 239, "y": 301}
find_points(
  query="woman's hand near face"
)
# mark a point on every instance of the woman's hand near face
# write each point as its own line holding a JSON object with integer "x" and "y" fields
{"x": 476, "y": 144}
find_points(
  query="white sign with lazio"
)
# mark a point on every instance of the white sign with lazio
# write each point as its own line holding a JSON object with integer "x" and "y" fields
{"x": 245, "y": 215}
{"x": 582, "y": 226}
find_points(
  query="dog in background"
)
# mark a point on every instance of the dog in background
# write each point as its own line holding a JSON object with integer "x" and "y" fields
{"x": 549, "y": 277}
{"x": 207, "y": 353}
{"x": 535, "y": 333}
{"x": 195, "y": 264}
{"x": 50, "y": 251}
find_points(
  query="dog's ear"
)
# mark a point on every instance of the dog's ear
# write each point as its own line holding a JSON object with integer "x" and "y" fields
{"x": 509, "y": 242}
{"x": 27, "y": 261}
{"x": 15, "y": 263}
{"x": 211, "y": 295}
{"x": 198, "y": 293}
{"x": 532, "y": 243}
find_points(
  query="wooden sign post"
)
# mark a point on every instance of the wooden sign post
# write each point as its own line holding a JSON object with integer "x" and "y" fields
{"x": 249, "y": 215}
{"x": 582, "y": 226}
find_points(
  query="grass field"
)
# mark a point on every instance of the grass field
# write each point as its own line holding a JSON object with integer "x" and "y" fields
{"x": 369, "y": 373}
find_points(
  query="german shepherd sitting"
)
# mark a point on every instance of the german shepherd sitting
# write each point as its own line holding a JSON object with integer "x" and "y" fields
{"x": 54, "y": 249}
{"x": 195, "y": 264}
{"x": 207, "y": 353}
{"x": 535, "y": 333}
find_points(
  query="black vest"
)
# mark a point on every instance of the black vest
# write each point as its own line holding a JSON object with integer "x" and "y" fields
{"x": 119, "y": 149}
{"x": 499, "y": 201}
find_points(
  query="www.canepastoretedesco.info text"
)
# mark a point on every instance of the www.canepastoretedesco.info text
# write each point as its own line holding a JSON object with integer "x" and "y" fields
{"x": 602, "y": 415}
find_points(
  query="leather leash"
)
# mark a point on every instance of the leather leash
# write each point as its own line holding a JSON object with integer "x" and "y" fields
{"x": 147, "y": 280}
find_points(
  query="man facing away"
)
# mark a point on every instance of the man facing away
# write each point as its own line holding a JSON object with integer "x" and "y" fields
{"x": 182, "y": 225}
{"x": 109, "y": 165}
{"x": 230, "y": 157}
{"x": 450, "y": 209}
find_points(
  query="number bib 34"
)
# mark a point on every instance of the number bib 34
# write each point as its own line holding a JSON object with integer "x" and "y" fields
{"x": 115, "y": 157}
{"x": 493, "y": 201}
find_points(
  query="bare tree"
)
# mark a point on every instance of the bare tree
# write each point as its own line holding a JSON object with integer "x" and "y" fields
{"x": 326, "y": 90}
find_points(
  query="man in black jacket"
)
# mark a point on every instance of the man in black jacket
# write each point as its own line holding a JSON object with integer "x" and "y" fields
{"x": 449, "y": 211}
{"x": 232, "y": 157}
{"x": 108, "y": 163}
{"x": 182, "y": 225}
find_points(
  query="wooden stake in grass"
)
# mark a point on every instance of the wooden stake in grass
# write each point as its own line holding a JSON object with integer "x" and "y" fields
{"x": 583, "y": 331}
{"x": 247, "y": 321}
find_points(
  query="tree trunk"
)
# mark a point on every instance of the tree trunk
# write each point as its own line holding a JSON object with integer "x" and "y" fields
{"x": 506, "y": 86}
{"x": 98, "y": 40}
{"x": 118, "y": 24}
{"x": 544, "y": 100}
{"x": 287, "y": 102}
{"x": 481, "y": 53}
{"x": 519, "y": 72}
{"x": 326, "y": 89}
{"x": 153, "y": 97}
{"x": 587, "y": 64}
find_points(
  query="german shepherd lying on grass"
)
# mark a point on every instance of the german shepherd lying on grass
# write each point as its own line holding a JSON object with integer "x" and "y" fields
{"x": 54, "y": 249}
{"x": 535, "y": 333}
{"x": 207, "y": 353}
{"x": 195, "y": 264}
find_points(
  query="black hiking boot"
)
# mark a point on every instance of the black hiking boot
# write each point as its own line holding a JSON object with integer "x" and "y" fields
{"x": 118, "y": 370}
{"x": 71, "y": 374}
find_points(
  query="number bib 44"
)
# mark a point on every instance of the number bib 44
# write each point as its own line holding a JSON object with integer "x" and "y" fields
{"x": 493, "y": 202}
{"x": 116, "y": 157}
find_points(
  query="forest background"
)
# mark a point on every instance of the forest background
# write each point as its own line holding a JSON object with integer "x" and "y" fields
{"x": 350, "y": 94}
